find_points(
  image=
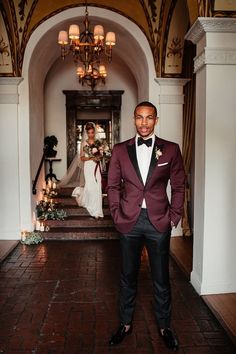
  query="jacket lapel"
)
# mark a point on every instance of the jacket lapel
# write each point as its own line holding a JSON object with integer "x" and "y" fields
{"x": 131, "y": 148}
{"x": 153, "y": 163}
{"x": 154, "y": 160}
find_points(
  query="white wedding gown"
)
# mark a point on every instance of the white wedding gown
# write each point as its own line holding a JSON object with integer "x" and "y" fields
{"x": 90, "y": 196}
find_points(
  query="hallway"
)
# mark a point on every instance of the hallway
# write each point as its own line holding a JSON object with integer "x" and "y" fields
{"x": 61, "y": 297}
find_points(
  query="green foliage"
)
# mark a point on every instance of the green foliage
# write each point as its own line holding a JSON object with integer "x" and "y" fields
{"x": 33, "y": 238}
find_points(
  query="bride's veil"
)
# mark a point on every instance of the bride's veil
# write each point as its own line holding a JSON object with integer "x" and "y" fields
{"x": 74, "y": 177}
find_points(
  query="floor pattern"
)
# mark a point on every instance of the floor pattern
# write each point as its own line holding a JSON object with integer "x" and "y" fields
{"x": 61, "y": 298}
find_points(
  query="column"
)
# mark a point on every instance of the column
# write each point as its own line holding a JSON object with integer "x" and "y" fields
{"x": 170, "y": 110}
{"x": 214, "y": 260}
{"x": 9, "y": 159}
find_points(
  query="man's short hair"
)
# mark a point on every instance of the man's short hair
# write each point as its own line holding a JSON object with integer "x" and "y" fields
{"x": 146, "y": 104}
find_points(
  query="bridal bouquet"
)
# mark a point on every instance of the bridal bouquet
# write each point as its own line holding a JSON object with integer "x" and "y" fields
{"x": 99, "y": 150}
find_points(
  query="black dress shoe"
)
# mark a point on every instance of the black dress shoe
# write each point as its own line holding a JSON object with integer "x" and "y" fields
{"x": 170, "y": 339}
{"x": 120, "y": 334}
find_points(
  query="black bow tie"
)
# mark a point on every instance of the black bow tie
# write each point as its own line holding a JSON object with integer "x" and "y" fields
{"x": 142, "y": 141}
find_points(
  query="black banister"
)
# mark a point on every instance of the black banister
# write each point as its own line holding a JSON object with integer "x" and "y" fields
{"x": 34, "y": 190}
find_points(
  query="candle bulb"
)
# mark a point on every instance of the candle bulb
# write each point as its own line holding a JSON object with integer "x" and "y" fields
{"x": 37, "y": 227}
{"x": 23, "y": 235}
{"x": 54, "y": 186}
{"x": 50, "y": 183}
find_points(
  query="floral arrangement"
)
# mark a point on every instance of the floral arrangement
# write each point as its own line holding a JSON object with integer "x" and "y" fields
{"x": 99, "y": 150}
{"x": 31, "y": 238}
{"x": 47, "y": 210}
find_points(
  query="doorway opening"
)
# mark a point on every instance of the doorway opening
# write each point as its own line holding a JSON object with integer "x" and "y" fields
{"x": 101, "y": 107}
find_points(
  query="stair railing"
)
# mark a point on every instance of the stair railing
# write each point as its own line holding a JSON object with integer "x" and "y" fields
{"x": 34, "y": 190}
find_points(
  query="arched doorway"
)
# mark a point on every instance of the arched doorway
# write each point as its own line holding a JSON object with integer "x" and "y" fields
{"x": 41, "y": 52}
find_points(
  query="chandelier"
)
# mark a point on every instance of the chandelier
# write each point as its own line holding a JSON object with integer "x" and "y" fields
{"x": 89, "y": 49}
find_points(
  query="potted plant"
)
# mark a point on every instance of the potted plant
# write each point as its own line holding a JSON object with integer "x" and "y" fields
{"x": 49, "y": 143}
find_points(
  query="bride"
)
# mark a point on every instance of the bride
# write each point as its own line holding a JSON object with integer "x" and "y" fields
{"x": 87, "y": 172}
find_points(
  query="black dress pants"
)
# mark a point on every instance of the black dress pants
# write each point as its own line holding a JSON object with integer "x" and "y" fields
{"x": 157, "y": 245}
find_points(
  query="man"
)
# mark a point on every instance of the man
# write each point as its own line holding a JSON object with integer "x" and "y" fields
{"x": 139, "y": 171}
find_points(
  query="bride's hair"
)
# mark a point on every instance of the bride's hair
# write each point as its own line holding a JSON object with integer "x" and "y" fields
{"x": 89, "y": 126}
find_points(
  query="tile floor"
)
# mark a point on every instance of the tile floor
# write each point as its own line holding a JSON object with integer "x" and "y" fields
{"x": 61, "y": 297}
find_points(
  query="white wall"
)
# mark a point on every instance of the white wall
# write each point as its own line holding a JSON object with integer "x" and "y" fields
{"x": 9, "y": 159}
{"x": 214, "y": 260}
{"x": 62, "y": 77}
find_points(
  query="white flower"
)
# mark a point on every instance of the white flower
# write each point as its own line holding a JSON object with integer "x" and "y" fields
{"x": 94, "y": 150}
{"x": 158, "y": 153}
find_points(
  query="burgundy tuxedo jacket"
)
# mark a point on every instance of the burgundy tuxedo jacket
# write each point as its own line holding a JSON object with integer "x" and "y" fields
{"x": 126, "y": 189}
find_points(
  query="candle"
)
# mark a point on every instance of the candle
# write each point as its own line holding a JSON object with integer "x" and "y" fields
{"x": 37, "y": 227}
{"x": 50, "y": 183}
{"x": 42, "y": 227}
{"x": 51, "y": 201}
{"x": 54, "y": 186}
{"x": 23, "y": 235}
{"x": 45, "y": 199}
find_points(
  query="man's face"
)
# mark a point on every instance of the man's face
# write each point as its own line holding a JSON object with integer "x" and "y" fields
{"x": 145, "y": 121}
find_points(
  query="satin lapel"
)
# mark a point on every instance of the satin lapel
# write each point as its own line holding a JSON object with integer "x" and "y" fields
{"x": 133, "y": 158}
{"x": 154, "y": 160}
{"x": 153, "y": 163}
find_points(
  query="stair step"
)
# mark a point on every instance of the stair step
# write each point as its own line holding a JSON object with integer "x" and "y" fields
{"x": 65, "y": 200}
{"x": 81, "y": 222}
{"x": 83, "y": 234}
{"x": 79, "y": 225}
{"x": 65, "y": 191}
{"x": 74, "y": 210}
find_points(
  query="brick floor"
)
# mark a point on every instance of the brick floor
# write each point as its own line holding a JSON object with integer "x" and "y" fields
{"x": 61, "y": 297}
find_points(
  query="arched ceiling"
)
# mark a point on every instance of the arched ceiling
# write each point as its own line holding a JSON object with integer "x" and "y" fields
{"x": 19, "y": 19}
{"x": 128, "y": 50}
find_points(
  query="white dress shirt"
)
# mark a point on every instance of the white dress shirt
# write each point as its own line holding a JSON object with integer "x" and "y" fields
{"x": 144, "y": 154}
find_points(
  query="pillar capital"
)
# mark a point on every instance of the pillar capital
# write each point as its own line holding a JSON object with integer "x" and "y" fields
{"x": 205, "y": 25}
{"x": 170, "y": 81}
{"x": 9, "y": 90}
{"x": 171, "y": 90}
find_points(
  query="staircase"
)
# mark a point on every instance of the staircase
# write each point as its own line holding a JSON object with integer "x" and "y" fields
{"x": 79, "y": 225}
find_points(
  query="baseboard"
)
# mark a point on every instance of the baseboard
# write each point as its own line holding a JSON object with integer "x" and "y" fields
{"x": 195, "y": 281}
{"x": 221, "y": 287}
{"x": 9, "y": 235}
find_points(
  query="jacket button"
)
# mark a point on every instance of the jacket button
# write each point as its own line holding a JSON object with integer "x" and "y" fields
{"x": 139, "y": 205}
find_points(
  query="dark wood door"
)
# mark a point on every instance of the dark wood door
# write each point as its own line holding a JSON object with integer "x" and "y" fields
{"x": 96, "y": 102}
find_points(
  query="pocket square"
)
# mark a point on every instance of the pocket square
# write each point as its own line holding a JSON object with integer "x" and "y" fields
{"x": 163, "y": 164}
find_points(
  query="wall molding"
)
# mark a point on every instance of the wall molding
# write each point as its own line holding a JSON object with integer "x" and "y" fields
{"x": 10, "y": 81}
{"x": 9, "y": 90}
{"x": 215, "y": 56}
{"x": 170, "y": 81}
{"x": 210, "y": 24}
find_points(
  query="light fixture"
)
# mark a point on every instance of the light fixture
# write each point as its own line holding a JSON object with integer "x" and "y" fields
{"x": 92, "y": 76}
{"x": 89, "y": 49}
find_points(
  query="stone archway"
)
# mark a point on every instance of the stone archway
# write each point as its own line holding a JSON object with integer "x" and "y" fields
{"x": 39, "y": 54}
